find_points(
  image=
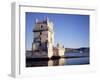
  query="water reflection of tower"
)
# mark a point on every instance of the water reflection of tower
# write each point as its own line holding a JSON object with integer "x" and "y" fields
{"x": 56, "y": 62}
{"x": 61, "y": 61}
{"x": 50, "y": 63}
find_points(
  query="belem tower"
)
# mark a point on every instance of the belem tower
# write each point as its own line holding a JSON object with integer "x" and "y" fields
{"x": 43, "y": 40}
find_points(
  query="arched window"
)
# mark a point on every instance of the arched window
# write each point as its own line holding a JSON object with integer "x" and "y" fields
{"x": 41, "y": 26}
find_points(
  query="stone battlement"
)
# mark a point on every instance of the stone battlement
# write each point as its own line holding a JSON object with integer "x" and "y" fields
{"x": 43, "y": 41}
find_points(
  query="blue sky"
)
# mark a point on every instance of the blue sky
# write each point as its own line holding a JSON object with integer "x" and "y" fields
{"x": 71, "y": 30}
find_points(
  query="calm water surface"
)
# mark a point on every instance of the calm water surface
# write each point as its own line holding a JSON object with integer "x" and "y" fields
{"x": 80, "y": 59}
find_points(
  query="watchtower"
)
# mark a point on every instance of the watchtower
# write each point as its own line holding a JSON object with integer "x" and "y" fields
{"x": 43, "y": 40}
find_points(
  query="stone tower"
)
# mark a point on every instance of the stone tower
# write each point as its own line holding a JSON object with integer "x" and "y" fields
{"x": 43, "y": 40}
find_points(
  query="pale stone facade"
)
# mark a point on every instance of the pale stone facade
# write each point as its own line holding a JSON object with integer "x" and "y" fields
{"x": 60, "y": 50}
{"x": 44, "y": 40}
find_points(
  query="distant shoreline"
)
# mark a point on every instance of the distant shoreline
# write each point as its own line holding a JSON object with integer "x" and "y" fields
{"x": 67, "y": 50}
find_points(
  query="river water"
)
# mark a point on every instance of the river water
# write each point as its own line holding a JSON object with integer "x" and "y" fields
{"x": 73, "y": 59}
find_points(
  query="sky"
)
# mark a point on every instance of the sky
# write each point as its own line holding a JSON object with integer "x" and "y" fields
{"x": 70, "y": 30}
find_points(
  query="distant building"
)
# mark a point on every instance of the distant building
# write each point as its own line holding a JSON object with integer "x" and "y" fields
{"x": 43, "y": 40}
